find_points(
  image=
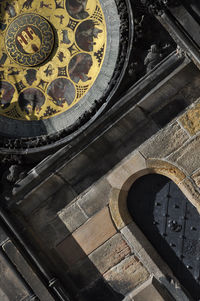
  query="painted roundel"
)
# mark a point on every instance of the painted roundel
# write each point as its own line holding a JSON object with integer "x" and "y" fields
{"x": 29, "y": 39}
{"x": 52, "y": 53}
{"x": 6, "y": 94}
{"x": 61, "y": 91}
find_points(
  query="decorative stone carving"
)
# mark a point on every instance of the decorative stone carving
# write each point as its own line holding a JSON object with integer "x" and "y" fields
{"x": 13, "y": 168}
{"x": 157, "y": 7}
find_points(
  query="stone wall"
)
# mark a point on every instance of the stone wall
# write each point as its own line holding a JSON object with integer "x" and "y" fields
{"x": 79, "y": 217}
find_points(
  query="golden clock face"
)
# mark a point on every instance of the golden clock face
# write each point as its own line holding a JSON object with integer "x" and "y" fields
{"x": 51, "y": 53}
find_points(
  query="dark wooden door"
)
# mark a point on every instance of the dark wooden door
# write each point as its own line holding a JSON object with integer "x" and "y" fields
{"x": 171, "y": 223}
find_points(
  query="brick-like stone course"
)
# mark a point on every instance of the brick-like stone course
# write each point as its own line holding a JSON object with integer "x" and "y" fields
{"x": 87, "y": 237}
{"x": 110, "y": 253}
{"x": 166, "y": 142}
{"x": 55, "y": 187}
{"x": 191, "y": 120}
{"x": 127, "y": 275}
{"x": 72, "y": 217}
{"x": 188, "y": 156}
{"x": 95, "y": 198}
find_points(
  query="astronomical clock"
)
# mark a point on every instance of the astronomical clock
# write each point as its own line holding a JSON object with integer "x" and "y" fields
{"x": 61, "y": 62}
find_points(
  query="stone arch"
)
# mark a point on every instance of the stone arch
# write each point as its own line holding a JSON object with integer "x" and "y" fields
{"x": 123, "y": 179}
{"x": 119, "y": 191}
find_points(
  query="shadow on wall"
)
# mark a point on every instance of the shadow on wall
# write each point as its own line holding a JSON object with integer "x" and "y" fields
{"x": 70, "y": 261}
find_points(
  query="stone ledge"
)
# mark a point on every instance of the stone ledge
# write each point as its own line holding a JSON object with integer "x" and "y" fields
{"x": 151, "y": 290}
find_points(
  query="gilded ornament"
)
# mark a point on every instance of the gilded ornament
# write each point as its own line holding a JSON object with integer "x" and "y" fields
{"x": 52, "y": 54}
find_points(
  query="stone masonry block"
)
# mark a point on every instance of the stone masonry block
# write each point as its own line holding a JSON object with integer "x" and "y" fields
{"x": 48, "y": 188}
{"x": 196, "y": 178}
{"x": 127, "y": 275}
{"x": 118, "y": 208}
{"x": 72, "y": 170}
{"x": 191, "y": 120}
{"x": 136, "y": 239}
{"x": 188, "y": 188}
{"x": 134, "y": 118}
{"x": 150, "y": 290}
{"x": 52, "y": 226}
{"x": 44, "y": 191}
{"x": 165, "y": 142}
{"x": 83, "y": 273}
{"x": 110, "y": 253}
{"x": 95, "y": 198}
{"x": 72, "y": 217}
{"x": 87, "y": 237}
{"x": 70, "y": 251}
{"x": 95, "y": 232}
{"x": 165, "y": 168}
{"x": 188, "y": 156}
{"x": 129, "y": 166}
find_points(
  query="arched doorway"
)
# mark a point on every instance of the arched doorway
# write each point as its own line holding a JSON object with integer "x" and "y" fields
{"x": 171, "y": 223}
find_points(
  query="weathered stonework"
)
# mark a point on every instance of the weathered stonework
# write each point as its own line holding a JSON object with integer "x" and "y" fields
{"x": 196, "y": 178}
{"x": 95, "y": 198}
{"x": 150, "y": 290}
{"x": 191, "y": 192}
{"x": 55, "y": 187}
{"x": 119, "y": 176}
{"x": 184, "y": 157}
{"x": 127, "y": 275}
{"x": 110, "y": 253}
{"x": 165, "y": 168}
{"x": 72, "y": 217}
{"x": 73, "y": 204}
{"x": 87, "y": 237}
{"x": 169, "y": 140}
{"x": 191, "y": 120}
{"x": 118, "y": 208}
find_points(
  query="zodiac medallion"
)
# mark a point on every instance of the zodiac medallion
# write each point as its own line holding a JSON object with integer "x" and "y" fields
{"x": 29, "y": 39}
